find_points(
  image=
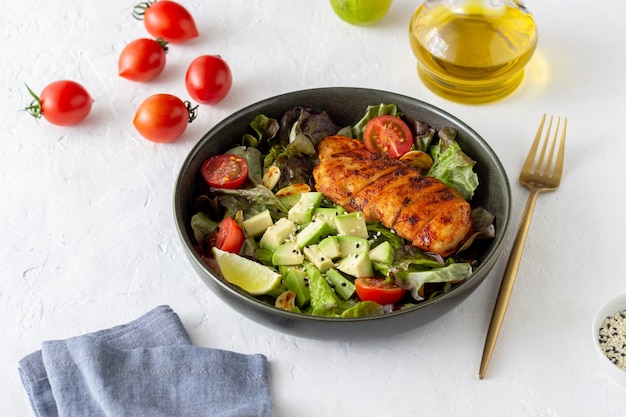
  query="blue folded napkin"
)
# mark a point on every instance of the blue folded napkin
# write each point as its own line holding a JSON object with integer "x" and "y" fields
{"x": 147, "y": 367}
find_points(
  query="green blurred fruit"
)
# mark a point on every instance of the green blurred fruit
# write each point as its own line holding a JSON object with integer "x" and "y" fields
{"x": 361, "y": 12}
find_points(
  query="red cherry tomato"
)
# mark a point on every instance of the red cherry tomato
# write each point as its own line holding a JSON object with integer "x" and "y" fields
{"x": 225, "y": 171}
{"x": 378, "y": 290}
{"x": 163, "y": 117}
{"x": 63, "y": 103}
{"x": 142, "y": 59}
{"x": 388, "y": 134}
{"x": 229, "y": 236}
{"x": 166, "y": 19}
{"x": 208, "y": 79}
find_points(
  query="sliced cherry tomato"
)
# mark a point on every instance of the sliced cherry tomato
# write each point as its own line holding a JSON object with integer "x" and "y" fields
{"x": 229, "y": 236}
{"x": 166, "y": 19}
{"x": 208, "y": 79}
{"x": 163, "y": 117}
{"x": 225, "y": 171}
{"x": 63, "y": 103}
{"x": 142, "y": 59}
{"x": 378, "y": 290}
{"x": 388, "y": 134}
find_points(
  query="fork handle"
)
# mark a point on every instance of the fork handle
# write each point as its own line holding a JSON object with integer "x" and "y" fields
{"x": 508, "y": 279}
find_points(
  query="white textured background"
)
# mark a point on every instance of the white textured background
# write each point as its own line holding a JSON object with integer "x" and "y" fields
{"x": 87, "y": 239}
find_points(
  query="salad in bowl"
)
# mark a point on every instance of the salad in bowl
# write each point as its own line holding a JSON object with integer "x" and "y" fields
{"x": 311, "y": 214}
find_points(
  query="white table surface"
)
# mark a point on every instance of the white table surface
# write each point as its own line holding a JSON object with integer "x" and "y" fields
{"x": 87, "y": 238}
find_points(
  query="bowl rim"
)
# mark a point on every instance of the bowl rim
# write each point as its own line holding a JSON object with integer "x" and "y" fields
{"x": 496, "y": 244}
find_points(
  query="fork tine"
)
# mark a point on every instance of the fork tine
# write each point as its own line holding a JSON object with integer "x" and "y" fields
{"x": 542, "y": 166}
{"x": 558, "y": 166}
{"x": 532, "y": 153}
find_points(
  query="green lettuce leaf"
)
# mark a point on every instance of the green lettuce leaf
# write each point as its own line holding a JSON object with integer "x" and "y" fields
{"x": 452, "y": 166}
{"x": 265, "y": 129}
{"x": 414, "y": 281}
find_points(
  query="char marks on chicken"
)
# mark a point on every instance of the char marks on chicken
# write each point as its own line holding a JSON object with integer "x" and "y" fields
{"x": 421, "y": 209}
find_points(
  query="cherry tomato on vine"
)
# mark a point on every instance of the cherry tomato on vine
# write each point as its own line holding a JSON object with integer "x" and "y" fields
{"x": 229, "y": 236}
{"x": 163, "y": 117}
{"x": 388, "y": 134}
{"x": 62, "y": 103}
{"x": 142, "y": 59}
{"x": 378, "y": 290}
{"x": 208, "y": 79}
{"x": 166, "y": 19}
{"x": 225, "y": 171}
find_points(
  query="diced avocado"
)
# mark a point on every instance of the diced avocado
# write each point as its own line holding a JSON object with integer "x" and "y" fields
{"x": 290, "y": 200}
{"x": 382, "y": 253}
{"x": 343, "y": 286}
{"x": 362, "y": 309}
{"x": 302, "y": 211}
{"x": 297, "y": 281}
{"x": 314, "y": 255}
{"x": 312, "y": 233}
{"x": 285, "y": 269}
{"x": 352, "y": 244}
{"x": 356, "y": 264}
{"x": 276, "y": 234}
{"x": 351, "y": 224}
{"x": 288, "y": 254}
{"x": 323, "y": 301}
{"x": 327, "y": 214}
{"x": 330, "y": 246}
{"x": 257, "y": 225}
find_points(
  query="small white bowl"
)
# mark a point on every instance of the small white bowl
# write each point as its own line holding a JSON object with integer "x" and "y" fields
{"x": 614, "y": 306}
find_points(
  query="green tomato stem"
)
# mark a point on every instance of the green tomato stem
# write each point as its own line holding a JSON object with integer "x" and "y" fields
{"x": 34, "y": 108}
{"x": 193, "y": 111}
{"x": 140, "y": 9}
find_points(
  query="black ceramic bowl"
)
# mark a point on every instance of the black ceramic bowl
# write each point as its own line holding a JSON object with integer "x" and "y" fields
{"x": 345, "y": 106}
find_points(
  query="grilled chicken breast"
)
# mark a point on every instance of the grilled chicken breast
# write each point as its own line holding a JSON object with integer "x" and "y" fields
{"x": 423, "y": 210}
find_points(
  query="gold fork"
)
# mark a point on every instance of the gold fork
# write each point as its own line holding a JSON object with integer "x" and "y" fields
{"x": 540, "y": 172}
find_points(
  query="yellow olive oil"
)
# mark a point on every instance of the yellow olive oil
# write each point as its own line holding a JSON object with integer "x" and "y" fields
{"x": 472, "y": 52}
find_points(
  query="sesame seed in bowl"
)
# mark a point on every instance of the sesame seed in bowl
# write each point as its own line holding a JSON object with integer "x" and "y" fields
{"x": 609, "y": 337}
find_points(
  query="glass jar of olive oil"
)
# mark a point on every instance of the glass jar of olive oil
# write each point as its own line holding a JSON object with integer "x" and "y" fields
{"x": 472, "y": 51}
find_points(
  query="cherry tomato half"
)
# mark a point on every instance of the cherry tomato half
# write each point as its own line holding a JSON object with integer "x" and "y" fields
{"x": 388, "y": 134}
{"x": 142, "y": 59}
{"x": 63, "y": 103}
{"x": 208, "y": 79}
{"x": 229, "y": 236}
{"x": 225, "y": 171}
{"x": 163, "y": 117}
{"x": 378, "y": 290}
{"x": 166, "y": 19}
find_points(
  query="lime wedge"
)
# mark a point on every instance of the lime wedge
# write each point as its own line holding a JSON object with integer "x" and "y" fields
{"x": 251, "y": 276}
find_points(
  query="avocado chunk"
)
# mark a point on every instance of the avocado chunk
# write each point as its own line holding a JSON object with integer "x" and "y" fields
{"x": 323, "y": 299}
{"x": 330, "y": 246}
{"x": 257, "y": 225}
{"x": 277, "y": 233}
{"x": 382, "y": 253}
{"x": 314, "y": 255}
{"x": 351, "y": 224}
{"x": 297, "y": 281}
{"x": 302, "y": 211}
{"x": 342, "y": 285}
{"x": 288, "y": 254}
{"x": 352, "y": 244}
{"x": 356, "y": 264}
{"x": 327, "y": 214}
{"x": 312, "y": 233}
